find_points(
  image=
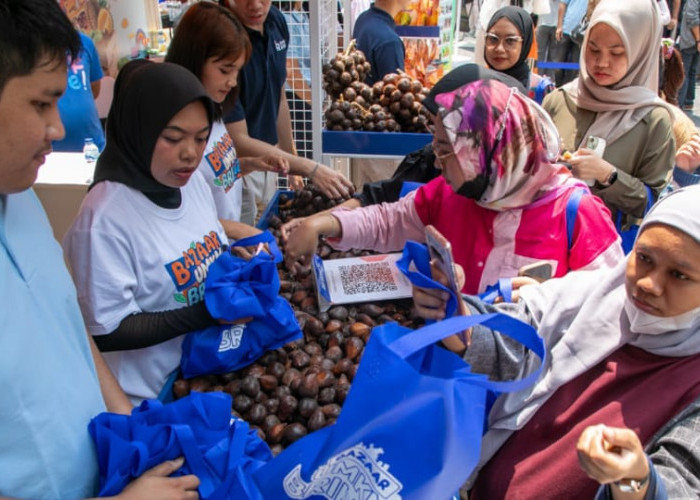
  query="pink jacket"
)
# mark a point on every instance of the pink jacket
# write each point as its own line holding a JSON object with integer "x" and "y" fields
{"x": 489, "y": 244}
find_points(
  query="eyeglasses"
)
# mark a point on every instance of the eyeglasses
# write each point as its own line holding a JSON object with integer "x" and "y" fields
{"x": 510, "y": 42}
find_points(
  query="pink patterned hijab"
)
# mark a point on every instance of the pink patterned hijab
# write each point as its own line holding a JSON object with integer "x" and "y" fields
{"x": 513, "y": 138}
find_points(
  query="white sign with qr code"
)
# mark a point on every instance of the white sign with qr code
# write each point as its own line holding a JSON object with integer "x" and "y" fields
{"x": 360, "y": 279}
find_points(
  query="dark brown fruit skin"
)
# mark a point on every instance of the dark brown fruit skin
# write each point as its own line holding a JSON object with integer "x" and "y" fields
{"x": 181, "y": 388}
{"x": 242, "y": 404}
{"x": 294, "y": 432}
{"x": 317, "y": 420}
{"x": 349, "y": 94}
{"x": 301, "y": 387}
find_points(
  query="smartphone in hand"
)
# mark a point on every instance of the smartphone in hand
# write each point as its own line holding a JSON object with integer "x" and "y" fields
{"x": 540, "y": 271}
{"x": 441, "y": 256}
{"x": 596, "y": 144}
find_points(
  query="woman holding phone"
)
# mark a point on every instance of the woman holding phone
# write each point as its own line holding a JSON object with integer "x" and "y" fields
{"x": 501, "y": 200}
{"x": 615, "y": 99}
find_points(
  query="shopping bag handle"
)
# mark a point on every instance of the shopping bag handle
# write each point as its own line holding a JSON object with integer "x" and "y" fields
{"x": 502, "y": 288}
{"x": 194, "y": 459}
{"x": 418, "y": 254}
{"x": 262, "y": 237}
{"x": 415, "y": 340}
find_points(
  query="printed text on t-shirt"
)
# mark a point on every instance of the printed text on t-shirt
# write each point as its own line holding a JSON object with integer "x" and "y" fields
{"x": 190, "y": 271}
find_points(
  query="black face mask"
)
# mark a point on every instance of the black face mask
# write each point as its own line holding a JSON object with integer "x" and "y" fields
{"x": 475, "y": 188}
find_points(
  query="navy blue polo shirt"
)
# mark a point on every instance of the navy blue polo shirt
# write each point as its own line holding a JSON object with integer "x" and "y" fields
{"x": 375, "y": 35}
{"x": 262, "y": 79}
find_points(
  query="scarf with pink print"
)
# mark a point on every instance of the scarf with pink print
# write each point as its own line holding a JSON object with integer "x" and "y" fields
{"x": 498, "y": 133}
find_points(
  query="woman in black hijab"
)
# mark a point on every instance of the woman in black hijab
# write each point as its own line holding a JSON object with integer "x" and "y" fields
{"x": 132, "y": 132}
{"x": 147, "y": 230}
{"x": 508, "y": 39}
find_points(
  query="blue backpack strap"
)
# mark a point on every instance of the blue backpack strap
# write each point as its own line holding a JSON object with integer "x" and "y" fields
{"x": 571, "y": 212}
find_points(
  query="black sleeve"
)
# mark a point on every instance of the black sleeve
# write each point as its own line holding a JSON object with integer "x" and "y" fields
{"x": 146, "y": 329}
{"x": 418, "y": 166}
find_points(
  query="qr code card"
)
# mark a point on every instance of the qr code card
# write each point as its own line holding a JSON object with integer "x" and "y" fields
{"x": 359, "y": 279}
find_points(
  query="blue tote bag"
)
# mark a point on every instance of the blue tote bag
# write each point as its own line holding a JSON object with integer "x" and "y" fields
{"x": 237, "y": 288}
{"x": 222, "y": 452}
{"x": 411, "y": 425}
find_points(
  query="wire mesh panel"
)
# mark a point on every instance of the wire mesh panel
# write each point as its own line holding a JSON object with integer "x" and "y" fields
{"x": 313, "y": 35}
{"x": 309, "y": 42}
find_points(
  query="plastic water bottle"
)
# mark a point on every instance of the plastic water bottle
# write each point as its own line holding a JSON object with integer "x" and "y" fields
{"x": 90, "y": 150}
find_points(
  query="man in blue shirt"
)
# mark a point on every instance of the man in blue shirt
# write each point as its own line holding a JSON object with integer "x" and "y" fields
{"x": 260, "y": 123}
{"x": 77, "y": 106}
{"x": 54, "y": 380}
{"x": 375, "y": 33}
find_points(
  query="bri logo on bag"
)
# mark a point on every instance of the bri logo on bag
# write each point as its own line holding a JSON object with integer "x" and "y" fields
{"x": 231, "y": 338}
{"x": 224, "y": 163}
{"x": 354, "y": 473}
{"x": 190, "y": 271}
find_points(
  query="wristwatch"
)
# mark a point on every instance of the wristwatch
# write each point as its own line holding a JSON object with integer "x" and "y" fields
{"x": 631, "y": 485}
{"x": 610, "y": 180}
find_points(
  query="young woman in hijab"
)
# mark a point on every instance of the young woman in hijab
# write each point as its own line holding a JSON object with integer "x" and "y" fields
{"x": 211, "y": 43}
{"x": 147, "y": 230}
{"x": 507, "y": 43}
{"x": 486, "y": 11}
{"x": 501, "y": 201}
{"x": 615, "y": 98}
{"x": 620, "y": 392}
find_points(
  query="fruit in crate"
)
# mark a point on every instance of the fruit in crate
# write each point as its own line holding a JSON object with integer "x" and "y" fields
{"x": 299, "y": 388}
{"x": 392, "y": 104}
{"x": 346, "y": 68}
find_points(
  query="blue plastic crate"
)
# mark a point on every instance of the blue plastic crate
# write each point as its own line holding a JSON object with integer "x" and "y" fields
{"x": 373, "y": 143}
{"x": 272, "y": 208}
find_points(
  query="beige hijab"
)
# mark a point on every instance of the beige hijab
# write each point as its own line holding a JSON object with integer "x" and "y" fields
{"x": 621, "y": 106}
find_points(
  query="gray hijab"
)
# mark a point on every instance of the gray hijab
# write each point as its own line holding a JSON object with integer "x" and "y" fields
{"x": 582, "y": 320}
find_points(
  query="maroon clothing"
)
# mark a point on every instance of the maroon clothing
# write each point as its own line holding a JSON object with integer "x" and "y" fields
{"x": 630, "y": 388}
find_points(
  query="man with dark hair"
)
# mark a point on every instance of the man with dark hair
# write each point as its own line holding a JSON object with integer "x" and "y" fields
{"x": 260, "y": 124}
{"x": 54, "y": 379}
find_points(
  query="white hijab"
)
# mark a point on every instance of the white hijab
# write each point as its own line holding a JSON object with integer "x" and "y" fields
{"x": 582, "y": 319}
{"x": 621, "y": 106}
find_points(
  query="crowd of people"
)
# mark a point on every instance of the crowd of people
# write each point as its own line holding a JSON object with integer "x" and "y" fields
{"x": 192, "y": 148}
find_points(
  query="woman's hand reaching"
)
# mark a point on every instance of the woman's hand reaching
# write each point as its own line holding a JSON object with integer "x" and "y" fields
{"x": 265, "y": 163}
